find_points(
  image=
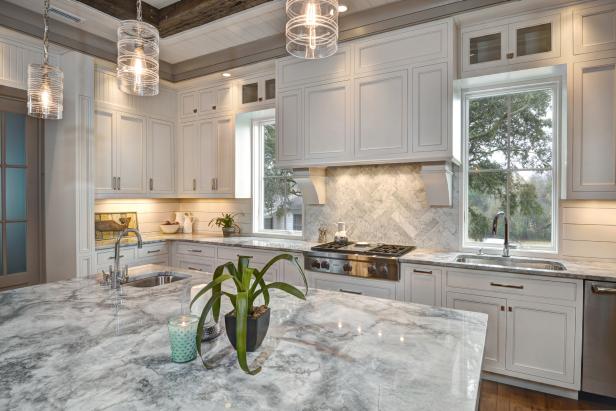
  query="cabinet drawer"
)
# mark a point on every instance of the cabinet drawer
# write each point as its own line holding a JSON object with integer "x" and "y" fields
{"x": 516, "y": 285}
{"x": 372, "y": 288}
{"x": 104, "y": 258}
{"x": 231, "y": 254}
{"x": 197, "y": 250}
{"x": 207, "y": 265}
{"x": 152, "y": 250}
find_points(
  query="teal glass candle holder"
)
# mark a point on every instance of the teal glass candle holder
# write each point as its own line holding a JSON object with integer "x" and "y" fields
{"x": 182, "y": 335}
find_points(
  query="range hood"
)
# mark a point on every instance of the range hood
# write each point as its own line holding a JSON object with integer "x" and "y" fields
{"x": 311, "y": 182}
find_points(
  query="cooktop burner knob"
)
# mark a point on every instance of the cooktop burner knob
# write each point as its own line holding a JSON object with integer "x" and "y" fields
{"x": 325, "y": 265}
{"x": 372, "y": 269}
{"x": 347, "y": 267}
{"x": 384, "y": 271}
{"x": 316, "y": 264}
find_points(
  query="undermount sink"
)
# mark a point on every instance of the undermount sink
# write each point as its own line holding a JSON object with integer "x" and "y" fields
{"x": 156, "y": 279}
{"x": 510, "y": 262}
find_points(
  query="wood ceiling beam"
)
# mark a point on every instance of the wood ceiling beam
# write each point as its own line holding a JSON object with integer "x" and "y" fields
{"x": 125, "y": 9}
{"x": 187, "y": 14}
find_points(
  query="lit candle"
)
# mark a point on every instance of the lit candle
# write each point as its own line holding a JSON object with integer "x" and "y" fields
{"x": 182, "y": 334}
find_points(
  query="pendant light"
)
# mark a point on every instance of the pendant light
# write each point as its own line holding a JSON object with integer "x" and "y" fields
{"x": 138, "y": 56}
{"x": 312, "y": 28}
{"x": 45, "y": 82}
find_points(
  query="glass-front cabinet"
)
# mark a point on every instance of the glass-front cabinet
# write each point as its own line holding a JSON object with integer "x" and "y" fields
{"x": 257, "y": 91}
{"x": 519, "y": 40}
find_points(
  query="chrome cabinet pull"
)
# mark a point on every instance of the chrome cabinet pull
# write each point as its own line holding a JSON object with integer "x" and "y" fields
{"x": 213, "y": 184}
{"x": 195, "y": 251}
{"x": 422, "y": 271}
{"x": 596, "y": 289}
{"x": 113, "y": 183}
{"x": 517, "y": 287}
{"x": 194, "y": 184}
{"x": 342, "y": 290}
{"x": 111, "y": 258}
{"x": 153, "y": 251}
{"x": 119, "y": 184}
{"x": 151, "y": 184}
{"x": 193, "y": 268}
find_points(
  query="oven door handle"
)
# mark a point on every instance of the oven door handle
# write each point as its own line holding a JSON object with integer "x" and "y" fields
{"x": 596, "y": 289}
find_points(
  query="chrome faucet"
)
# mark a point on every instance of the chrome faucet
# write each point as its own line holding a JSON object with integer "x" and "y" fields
{"x": 495, "y": 227}
{"x": 121, "y": 276}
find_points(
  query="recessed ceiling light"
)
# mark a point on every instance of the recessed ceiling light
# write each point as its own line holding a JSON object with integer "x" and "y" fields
{"x": 226, "y": 74}
{"x": 342, "y": 8}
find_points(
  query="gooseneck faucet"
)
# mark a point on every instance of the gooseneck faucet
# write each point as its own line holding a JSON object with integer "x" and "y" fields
{"x": 118, "y": 276}
{"x": 495, "y": 227}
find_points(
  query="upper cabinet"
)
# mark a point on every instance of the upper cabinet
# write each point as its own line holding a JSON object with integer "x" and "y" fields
{"x": 386, "y": 98}
{"x": 513, "y": 41}
{"x": 594, "y": 28}
{"x": 206, "y": 102}
{"x": 257, "y": 92}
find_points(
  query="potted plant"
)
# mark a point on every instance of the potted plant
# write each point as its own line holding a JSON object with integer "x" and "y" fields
{"x": 246, "y": 324}
{"x": 227, "y": 222}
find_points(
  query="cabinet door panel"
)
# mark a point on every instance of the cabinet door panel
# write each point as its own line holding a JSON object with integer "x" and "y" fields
{"x": 161, "y": 155}
{"x": 191, "y": 149}
{"x": 430, "y": 96}
{"x": 104, "y": 130}
{"x": 381, "y": 112}
{"x": 225, "y": 159}
{"x": 540, "y": 340}
{"x": 130, "y": 153}
{"x": 494, "y": 355}
{"x": 423, "y": 285}
{"x": 483, "y": 48}
{"x": 207, "y": 100}
{"x": 535, "y": 39}
{"x": 188, "y": 105}
{"x": 289, "y": 125}
{"x": 224, "y": 98}
{"x": 356, "y": 286}
{"x": 594, "y": 131}
{"x": 594, "y": 29}
{"x": 327, "y": 128}
{"x": 207, "y": 160}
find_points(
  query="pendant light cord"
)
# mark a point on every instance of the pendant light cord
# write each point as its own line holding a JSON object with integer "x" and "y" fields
{"x": 46, "y": 33}
{"x": 139, "y": 17}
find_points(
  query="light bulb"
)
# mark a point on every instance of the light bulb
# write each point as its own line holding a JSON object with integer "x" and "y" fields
{"x": 45, "y": 99}
{"x": 138, "y": 67}
{"x": 311, "y": 23}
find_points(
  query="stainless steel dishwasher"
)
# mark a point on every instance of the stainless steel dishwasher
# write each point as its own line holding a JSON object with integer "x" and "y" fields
{"x": 599, "y": 353}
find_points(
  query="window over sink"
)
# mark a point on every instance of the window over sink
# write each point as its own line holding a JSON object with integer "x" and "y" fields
{"x": 510, "y": 136}
{"x": 278, "y": 206}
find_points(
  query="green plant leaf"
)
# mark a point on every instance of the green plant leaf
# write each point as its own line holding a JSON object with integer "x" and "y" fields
{"x": 270, "y": 263}
{"x": 243, "y": 261}
{"x": 288, "y": 288}
{"x": 208, "y": 306}
{"x": 219, "y": 280}
{"x": 241, "y": 330}
{"x": 231, "y": 298}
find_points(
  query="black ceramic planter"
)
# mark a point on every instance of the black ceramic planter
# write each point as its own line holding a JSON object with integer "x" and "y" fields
{"x": 255, "y": 333}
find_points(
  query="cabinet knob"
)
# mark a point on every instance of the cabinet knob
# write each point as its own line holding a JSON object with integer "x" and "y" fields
{"x": 151, "y": 184}
{"x": 195, "y": 110}
{"x": 213, "y": 107}
{"x": 260, "y": 98}
{"x": 510, "y": 55}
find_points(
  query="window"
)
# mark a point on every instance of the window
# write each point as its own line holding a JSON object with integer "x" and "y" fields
{"x": 277, "y": 205}
{"x": 511, "y": 136}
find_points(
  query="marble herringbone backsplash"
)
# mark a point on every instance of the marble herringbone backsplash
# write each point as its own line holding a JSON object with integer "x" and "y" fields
{"x": 384, "y": 203}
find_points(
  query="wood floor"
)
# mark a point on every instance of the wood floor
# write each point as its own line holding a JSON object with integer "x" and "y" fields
{"x": 501, "y": 397}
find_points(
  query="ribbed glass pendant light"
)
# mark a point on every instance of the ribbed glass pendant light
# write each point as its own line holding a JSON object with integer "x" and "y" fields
{"x": 138, "y": 48}
{"x": 312, "y": 28}
{"x": 45, "y": 82}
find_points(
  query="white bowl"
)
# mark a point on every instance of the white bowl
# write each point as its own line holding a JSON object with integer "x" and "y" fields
{"x": 169, "y": 228}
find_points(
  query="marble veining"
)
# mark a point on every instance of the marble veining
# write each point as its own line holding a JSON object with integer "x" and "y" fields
{"x": 75, "y": 345}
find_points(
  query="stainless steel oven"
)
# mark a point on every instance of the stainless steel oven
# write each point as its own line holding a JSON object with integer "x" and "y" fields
{"x": 599, "y": 353}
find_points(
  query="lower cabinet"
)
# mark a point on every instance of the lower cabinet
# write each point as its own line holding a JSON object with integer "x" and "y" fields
{"x": 353, "y": 285}
{"x": 421, "y": 284}
{"x": 204, "y": 264}
{"x": 156, "y": 253}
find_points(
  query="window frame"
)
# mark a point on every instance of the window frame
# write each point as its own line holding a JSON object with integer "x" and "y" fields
{"x": 500, "y": 88}
{"x": 257, "y": 184}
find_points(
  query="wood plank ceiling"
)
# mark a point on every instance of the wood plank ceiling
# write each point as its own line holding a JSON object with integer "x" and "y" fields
{"x": 176, "y": 17}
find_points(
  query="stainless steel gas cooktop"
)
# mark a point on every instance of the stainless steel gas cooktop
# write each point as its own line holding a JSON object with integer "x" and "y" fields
{"x": 368, "y": 260}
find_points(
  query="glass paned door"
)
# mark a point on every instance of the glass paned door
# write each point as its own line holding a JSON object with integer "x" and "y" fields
{"x": 19, "y": 195}
{"x": 486, "y": 48}
{"x": 534, "y": 39}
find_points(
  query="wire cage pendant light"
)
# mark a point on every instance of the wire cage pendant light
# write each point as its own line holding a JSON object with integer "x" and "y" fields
{"x": 45, "y": 82}
{"x": 138, "y": 49}
{"x": 312, "y": 28}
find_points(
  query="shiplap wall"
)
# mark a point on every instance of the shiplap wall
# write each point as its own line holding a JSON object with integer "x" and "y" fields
{"x": 152, "y": 212}
{"x": 588, "y": 229}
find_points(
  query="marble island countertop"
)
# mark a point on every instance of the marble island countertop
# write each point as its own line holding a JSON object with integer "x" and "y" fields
{"x": 76, "y": 345}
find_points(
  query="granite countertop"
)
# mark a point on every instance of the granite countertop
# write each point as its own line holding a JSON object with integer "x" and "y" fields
{"x": 76, "y": 345}
{"x": 275, "y": 244}
{"x": 583, "y": 269}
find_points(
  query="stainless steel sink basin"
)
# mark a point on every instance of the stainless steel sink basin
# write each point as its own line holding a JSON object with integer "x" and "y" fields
{"x": 510, "y": 262}
{"x": 156, "y": 279}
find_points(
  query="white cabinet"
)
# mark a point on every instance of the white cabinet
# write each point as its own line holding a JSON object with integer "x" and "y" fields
{"x": 208, "y": 157}
{"x": 381, "y": 120}
{"x": 161, "y": 157}
{"x": 496, "y": 338}
{"x": 206, "y": 102}
{"x": 289, "y": 113}
{"x": 512, "y": 41}
{"x": 256, "y": 92}
{"x": 353, "y": 285}
{"x": 594, "y": 28}
{"x": 421, "y": 284}
{"x": 593, "y": 166}
{"x": 430, "y": 109}
{"x": 120, "y": 142}
{"x": 541, "y": 340}
{"x": 327, "y": 122}
{"x": 207, "y": 265}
